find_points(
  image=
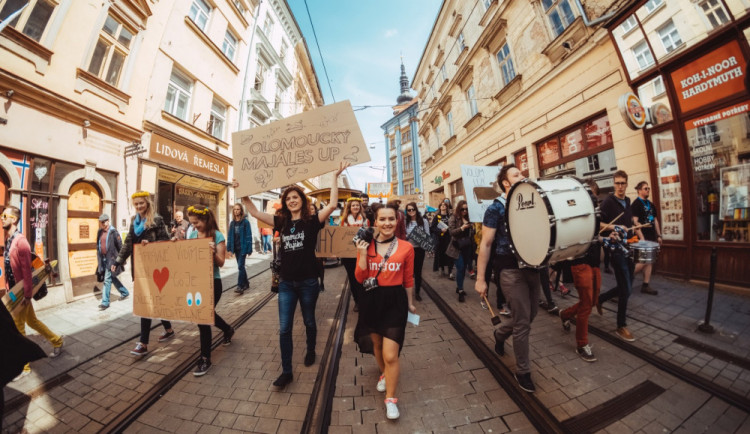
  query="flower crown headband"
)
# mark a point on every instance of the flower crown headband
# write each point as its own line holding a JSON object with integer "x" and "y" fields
{"x": 140, "y": 194}
{"x": 354, "y": 198}
{"x": 194, "y": 210}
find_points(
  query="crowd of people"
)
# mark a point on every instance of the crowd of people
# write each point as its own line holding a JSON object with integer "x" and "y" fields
{"x": 385, "y": 277}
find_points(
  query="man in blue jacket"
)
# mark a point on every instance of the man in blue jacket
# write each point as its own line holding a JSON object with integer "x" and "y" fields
{"x": 240, "y": 243}
{"x": 108, "y": 245}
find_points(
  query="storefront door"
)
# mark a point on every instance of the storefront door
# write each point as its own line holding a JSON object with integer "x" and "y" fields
{"x": 84, "y": 208}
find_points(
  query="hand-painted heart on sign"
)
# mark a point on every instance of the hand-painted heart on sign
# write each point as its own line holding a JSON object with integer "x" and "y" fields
{"x": 161, "y": 277}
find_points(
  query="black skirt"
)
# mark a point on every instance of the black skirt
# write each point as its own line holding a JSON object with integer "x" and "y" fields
{"x": 383, "y": 311}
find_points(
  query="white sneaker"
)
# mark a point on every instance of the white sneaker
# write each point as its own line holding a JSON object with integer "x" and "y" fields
{"x": 381, "y": 384}
{"x": 391, "y": 409}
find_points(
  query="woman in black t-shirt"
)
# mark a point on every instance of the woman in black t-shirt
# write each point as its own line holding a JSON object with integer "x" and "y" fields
{"x": 298, "y": 229}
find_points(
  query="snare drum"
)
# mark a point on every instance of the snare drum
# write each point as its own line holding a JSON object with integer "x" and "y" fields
{"x": 645, "y": 252}
{"x": 550, "y": 221}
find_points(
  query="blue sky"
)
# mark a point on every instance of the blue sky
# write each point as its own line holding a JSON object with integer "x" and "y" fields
{"x": 362, "y": 42}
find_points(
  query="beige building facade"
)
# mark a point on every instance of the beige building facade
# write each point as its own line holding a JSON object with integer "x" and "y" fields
{"x": 541, "y": 84}
{"x": 100, "y": 99}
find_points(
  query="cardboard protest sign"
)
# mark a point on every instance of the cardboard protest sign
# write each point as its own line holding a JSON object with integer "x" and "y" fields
{"x": 174, "y": 280}
{"x": 271, "y": 208}
{"x": 379, "y": 189}
{"x": 297, "y": 148}
{"x": 479, "y": 185}
{"x": 422, "y": 238}
{"x": 336, "y": 242}
{"x": 408, "y": 198}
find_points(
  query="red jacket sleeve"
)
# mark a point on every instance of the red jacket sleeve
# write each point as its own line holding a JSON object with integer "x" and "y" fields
{"x": 23, "y": 254}
{"x": 359, "y": 273}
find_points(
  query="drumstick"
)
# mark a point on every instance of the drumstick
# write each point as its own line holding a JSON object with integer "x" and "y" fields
{"x": 645, "y": 225}
{"x": 610, "y": 223}
{"x": 495, "y": 318}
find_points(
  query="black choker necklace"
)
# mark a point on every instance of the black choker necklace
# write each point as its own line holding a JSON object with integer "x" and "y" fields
{"x": 386, "y": 241}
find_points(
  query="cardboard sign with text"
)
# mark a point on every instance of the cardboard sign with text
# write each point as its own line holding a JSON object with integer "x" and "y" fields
{"x": 408, "y": 198}
{"x": 174, "y": 280}
{"x": 379, "y": 189}
{"x": 479, "y": 182}
{"x": 419, "y": 236}
{"x": 336, "y": 242}
{"x": 297, "y": 148}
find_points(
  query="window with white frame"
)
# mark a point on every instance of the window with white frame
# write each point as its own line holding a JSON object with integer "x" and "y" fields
{"x": 394, "y": 171}
{"x": 437, "y": 136}
{"x": 715, "y": 13}
{"x": 506, "y": 64}
{"x": 471, "y": 96}
{"x": 229, "y": 47}
{"x": 111, "y": 50}
{"x": 643, "y": 55}
{"x": 659, "y": 86}
{"x": 33, "y": 21}
{"x": 461, "y": 42}
{"x": 670, "y": 37}
{"x": 238, "y": 3}
{"x": 277, "y": 99}
{"x": 487, "y": 4}
{"x": 560, "y": 15}
{"x": 268, "y": 26}
{"x": 449, "y": 121}
{"x": 444, "y": 72}
{"x": 178, "y": 95}
{"x": 217, "y": 120}
{"x": 282, "y": 51}
{"x": 629, "y": 24}
{"x": 405, "y": 135}
{"x": 260, "y": 76}
{"x": 651, "y": 5}
{"x": 199, "y": 13}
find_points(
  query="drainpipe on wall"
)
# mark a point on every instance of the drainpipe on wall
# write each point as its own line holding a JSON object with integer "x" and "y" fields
{"x": 596, "y": 21}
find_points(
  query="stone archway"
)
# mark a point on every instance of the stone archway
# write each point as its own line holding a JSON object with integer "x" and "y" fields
{"x": 15, "y": 188}
{"x": 63, "y": 190}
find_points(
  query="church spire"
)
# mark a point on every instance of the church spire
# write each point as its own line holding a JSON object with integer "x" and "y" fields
{"x": 404, "y": 81}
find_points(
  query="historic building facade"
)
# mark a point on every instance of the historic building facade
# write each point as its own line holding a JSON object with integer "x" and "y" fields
{"x": 402, "y": 155}
{"x": 100, "y": 99}
{"x": 542, "y": 84}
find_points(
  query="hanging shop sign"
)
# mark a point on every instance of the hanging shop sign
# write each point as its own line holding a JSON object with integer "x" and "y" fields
{"x": 718, "y": 74}
{"x": 632, "y": 111}
{"x": 174, "y": 154}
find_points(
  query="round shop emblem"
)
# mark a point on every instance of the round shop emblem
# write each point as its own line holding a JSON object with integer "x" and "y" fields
{"x": 632, "y": 111}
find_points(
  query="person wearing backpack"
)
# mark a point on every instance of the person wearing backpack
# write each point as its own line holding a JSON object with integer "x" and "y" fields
{"x": 18, "y": 267}
{"x": 108, "y": 245}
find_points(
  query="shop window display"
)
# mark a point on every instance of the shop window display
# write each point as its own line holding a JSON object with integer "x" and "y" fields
{"x": 669, "y": 185}
{"x": 719, "y": 144}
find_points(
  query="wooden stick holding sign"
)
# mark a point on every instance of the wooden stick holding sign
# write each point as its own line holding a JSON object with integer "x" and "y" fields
{"x": 297, "y": 148}
{"x": 422, "y": 238}
{"x": 336, "y": 242}
{"x": 174, "y": 280}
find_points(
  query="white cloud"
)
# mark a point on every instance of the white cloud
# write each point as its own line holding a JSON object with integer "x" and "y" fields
{"x": 390, "y": 33}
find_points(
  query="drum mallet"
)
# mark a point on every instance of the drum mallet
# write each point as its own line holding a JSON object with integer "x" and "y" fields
{"x": 610, "y": 223}
{"x": 645, "y": 225}
{"x": 495, "y": 318}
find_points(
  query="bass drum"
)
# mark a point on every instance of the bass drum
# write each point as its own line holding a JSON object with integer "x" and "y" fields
{"x": 550, "y": 221}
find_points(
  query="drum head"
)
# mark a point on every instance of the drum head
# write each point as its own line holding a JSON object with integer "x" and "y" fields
{"x": 528, "y": 218}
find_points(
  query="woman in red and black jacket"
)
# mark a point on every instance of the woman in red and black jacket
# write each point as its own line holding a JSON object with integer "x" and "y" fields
{"x": 385, "y": 267}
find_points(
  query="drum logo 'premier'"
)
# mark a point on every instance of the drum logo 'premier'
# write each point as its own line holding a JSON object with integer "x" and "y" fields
{"x": 525, "y": 204}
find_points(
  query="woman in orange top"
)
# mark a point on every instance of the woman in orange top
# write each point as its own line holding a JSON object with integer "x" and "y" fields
{"x": 385, "y": 268}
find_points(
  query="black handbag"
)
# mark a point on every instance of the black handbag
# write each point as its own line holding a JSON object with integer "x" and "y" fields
{"x": 99, "y": 276}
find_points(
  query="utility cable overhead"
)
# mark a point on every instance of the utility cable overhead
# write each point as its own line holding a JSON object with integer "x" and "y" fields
{"x": 325, "y": 71}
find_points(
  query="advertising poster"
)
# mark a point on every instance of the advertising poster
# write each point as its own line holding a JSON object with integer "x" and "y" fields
{"x": 670, "y": 188}
{"x": 479, "y": 184}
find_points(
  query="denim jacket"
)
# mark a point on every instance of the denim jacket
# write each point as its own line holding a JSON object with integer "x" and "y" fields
{"x": 246, "y": 237}
{"x": 494, "y": 218}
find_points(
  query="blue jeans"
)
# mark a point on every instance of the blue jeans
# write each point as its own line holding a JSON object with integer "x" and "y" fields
{"x": 242, "y": 281}
{"x": 306, "y": 291}
{"x": 463, "y": 261}
{"x": 108, "y": 280}
{"x": 623, "y": 268}
{"x": 266, "y": 243}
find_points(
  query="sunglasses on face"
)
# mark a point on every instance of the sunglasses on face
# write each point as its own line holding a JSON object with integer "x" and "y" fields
{"x": 621, "y": 183}
{"x": 6, "y": 216}
{"x": 410, "y": 209}
{"x": 464, "y": 209}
